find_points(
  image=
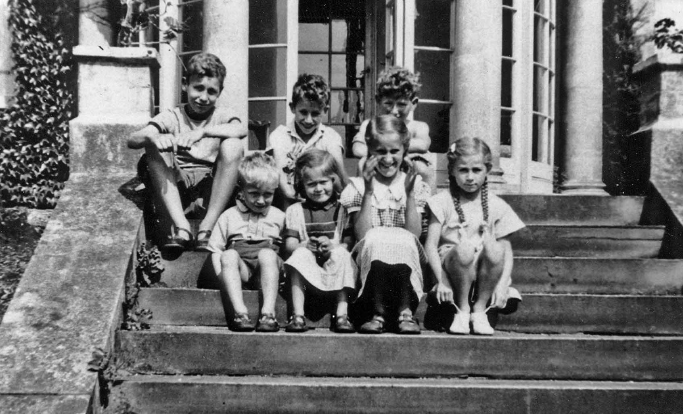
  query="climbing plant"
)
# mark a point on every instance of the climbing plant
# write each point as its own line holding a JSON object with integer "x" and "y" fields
{"x": 34, "y": 130}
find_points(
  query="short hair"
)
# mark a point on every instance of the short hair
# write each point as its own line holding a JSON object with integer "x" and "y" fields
{"x": 398, "y": 81}
{"x": 206, "y": 64}
{"x": 387, "y": 124}
{"x": 312, "y": 88}
{"x": 314, "y": 158}
{"x": 258, "y": 169}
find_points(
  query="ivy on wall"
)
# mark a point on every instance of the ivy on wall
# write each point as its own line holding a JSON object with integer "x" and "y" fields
{"x": 34, "y": 131}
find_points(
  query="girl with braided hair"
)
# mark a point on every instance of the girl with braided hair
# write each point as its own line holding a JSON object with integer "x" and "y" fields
{"x": 467, "y": 240}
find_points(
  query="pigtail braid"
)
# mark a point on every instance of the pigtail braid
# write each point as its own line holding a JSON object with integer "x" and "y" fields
{"x": 485, "y": 200}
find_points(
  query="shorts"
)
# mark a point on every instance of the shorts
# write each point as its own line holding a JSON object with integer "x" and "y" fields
{"x": 249, "y": 250}
{"x": 194, "y": 185}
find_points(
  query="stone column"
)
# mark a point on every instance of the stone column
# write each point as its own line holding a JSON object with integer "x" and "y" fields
{"x": 169, "y": 79}
{"x": 226, "y": 35}
{"x": 94, "y": 29}
{"x": 475, "y": 74}
{"x": 6, "y": 77}
{"x": 581, "y": 96}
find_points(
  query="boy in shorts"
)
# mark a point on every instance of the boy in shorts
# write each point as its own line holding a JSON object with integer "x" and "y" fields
{"x": 310, "y": 102}
{"x": 397, "y": 90}
{"x": 246, "y": 240}
{"x": 188, "y": 145}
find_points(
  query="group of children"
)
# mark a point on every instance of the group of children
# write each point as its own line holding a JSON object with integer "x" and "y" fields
{"x": 352, "y": 240}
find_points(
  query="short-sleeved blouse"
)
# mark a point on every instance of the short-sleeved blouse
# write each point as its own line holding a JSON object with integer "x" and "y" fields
{"x": 502, "y": 219}
{"x": 388, "y": 201}
{"x": 304, "y": 221}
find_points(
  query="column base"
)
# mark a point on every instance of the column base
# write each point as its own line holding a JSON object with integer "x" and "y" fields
{"x": 584, "y": 188}
{"x": 496, "y": 180}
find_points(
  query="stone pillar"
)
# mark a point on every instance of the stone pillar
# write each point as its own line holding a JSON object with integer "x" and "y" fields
{"x": 6, "y": 77}
{"x": 475, "y": 74}
{"x": 115, "y": 98}
{"x": 93, "y": 26}
{"x": 169, "y": 78}
{"x": 226, "y": 35}
{"x": 581, "y": 95}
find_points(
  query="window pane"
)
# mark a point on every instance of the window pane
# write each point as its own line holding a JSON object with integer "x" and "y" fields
{"x": 436, "y": 116}
{"x": 506, "y": 83}
{"x": 433, "y": 23}
{"x": 346, "y": 107}
{"x": 343, "y": 78}
{"x": 267, "y": 72}
{"x": 508, "y": 16}
{"x": 534, "y": 138}
{"x": 273, "y": 111}
{"x": 192, "y": 16}
{"x": 540, "y": 89}
{"x": 508, "y": 3}
{"x": 540, "y": 39}
{"x": 433, "y": 68}
{"x": 264, "y": 24}
{"x": 314, "y": 37}
{"x": 506, "y": 133}
{"x": 315, "y": 64}
{"x": 539, "y": 6}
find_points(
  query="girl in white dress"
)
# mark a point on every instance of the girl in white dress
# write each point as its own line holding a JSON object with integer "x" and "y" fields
{"x": 318, "y": 239}
{"x": 385, "y": 207}
{"x": 467, "y": 244}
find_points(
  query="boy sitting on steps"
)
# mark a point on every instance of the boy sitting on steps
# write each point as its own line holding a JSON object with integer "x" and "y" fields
{"x": 186, "y": 146}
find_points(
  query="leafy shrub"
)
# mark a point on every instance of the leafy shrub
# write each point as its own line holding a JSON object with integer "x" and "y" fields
{"x": 34, "y": 131}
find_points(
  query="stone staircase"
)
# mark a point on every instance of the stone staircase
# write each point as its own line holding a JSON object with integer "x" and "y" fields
{"x": 600, "y": 329}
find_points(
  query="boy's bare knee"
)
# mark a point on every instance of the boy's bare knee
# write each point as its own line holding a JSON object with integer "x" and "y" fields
{"x": 230, "y": 259}
{"x": 267, "y": 256}
{"x": 232, "y": 149}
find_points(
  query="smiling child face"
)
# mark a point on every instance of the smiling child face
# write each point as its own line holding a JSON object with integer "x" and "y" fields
{"x": 202, "y": 93}
{"x": 307, "y": 116}
{"x": 389, "y": 151}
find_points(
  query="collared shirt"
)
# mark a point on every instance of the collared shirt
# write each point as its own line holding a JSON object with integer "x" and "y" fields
{"x": 285, "y": 140}
{"x": 240, "y": 223}
{"x": 177, "y": 121}
{"x": 388, "y": 201}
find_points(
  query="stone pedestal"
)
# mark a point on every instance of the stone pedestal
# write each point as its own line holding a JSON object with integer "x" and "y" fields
{"x": 169, "y": 75}
{"x": 114, "y": 99}
{"x": 476, "y": 71}
{"x": 581, "y": 95}
{"x": 226, "y": 35}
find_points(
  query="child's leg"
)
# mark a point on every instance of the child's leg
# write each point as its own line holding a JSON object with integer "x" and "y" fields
{"x": 233, "y": 272}
{"x": 229, "y": 156}
{"x": 490, "y": 271}
{"x": 270, "y": 278}
{"x": 298, "y": 298}
{"x": 165, "y": 186}
{"x": 461, "y": 270}
{"x": 342, "y": 302}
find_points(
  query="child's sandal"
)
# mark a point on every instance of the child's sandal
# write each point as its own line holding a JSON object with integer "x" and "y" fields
{"x": 202, "y": 241}
{"x": 343, "y": 325}
{"x": 177, "y": 242}
{"x": 297, "y": 323}
{"x": 267, "y": 323}
{"x": 407, "y": 325}
{"x": 373, "y": 326}
{"x": 242, "y": 323}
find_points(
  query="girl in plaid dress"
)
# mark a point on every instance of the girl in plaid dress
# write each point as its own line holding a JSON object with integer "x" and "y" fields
{"x": 467, "y": 240}
{"x": 385, "y": 207}
{"x": 318, "y": 237}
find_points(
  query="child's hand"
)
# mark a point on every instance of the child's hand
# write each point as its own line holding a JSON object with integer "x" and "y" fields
{"x": 369, "y": 171}
{"x": 444, "y": 294}
{"x": 313, "y": 245}
{"x": 165, "y": 143}
{"x": 324, "y": 244}
{"x": 186, "y": 140}
{"x": 499, "y": 297}
{"x": 411, "y": 176}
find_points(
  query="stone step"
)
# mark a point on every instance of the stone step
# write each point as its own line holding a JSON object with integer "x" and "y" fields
{"x": 530, "y": 274}
{"x": 252, "y": 394}
{"x": 598, "y": 275}
{"x": 218, "y": 351}
{"x": 549, "y": 313}
{"x": 632, "y": 242}
{"x": 554, "y": 209}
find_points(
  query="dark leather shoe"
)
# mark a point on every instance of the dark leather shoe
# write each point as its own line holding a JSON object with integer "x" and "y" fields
{"x": 373, "y": 326}
{"x": 407, "y": 325}
{"x": 267, "y": 323}
{"x": 343, "y": 325}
